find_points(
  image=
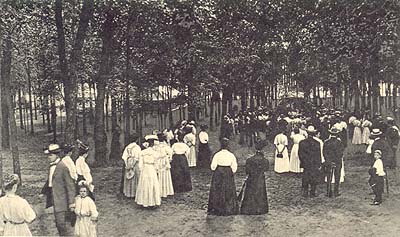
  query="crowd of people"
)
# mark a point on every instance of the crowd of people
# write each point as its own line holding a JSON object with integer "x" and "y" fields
{"x": 310, "y": 143}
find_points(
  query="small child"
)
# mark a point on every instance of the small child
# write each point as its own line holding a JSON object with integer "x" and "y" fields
{"x": 376, "y": 180}
{"x": 86, "y": 213}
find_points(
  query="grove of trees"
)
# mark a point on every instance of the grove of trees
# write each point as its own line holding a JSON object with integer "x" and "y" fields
{"x": 83, "y": 57}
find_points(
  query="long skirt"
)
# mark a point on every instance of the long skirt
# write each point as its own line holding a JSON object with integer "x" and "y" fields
{"x": 255, "y": 201}
{"x": 365, "y": 135}
{"x": 16, "y": 229}
{"x": 192, "y": 156}
{"x": 85, "y": 227}
{"x": 180, "y": 174}
{"x": 165, "y": 180}
{"x": 294, "y": 163}
{"x": 204, "y": 155}
{"x": 222, "y": 200}
{"x": 357, "y": 136}
{"x": 148, "y": 189}
{"x": 282, "y": 164}
{"x": 130, "y": 185}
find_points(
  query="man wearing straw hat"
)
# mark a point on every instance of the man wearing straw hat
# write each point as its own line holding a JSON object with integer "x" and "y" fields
{"x": 380, "y": 143}
{"x": 63, "y": 190}
{"x": 310, "y": 160}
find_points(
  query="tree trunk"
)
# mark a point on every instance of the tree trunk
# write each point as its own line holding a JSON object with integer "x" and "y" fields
{"x": 211, "y": 115}
{"x": 69, "y": 75}
{"x": 6, "y": 92}
{"x": 54, "y": 118}
{"x": 48, "y": 115}
{"x": 28, "y": 73}
{"x": 105, "y": 67}
{"x": 84, "y": 127}
{"x": 13, "y": 138}
{"x": 21, "y": 118}
{"x": 252, "y": 106}
{"x": 35, "y": 103}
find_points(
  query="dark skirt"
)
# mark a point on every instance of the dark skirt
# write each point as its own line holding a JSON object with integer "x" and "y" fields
{"x": 255, "y": 200}
{"x": 204, "y": 155}
{"x": 222, "y": 200}
{"x": 90, "y": 194}
{"x": 180, "y": 174}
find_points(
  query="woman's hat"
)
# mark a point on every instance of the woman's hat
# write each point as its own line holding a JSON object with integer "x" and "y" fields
{"x": 67, "y": 148}
{"x": 378, "y": 152}
{"x": 82, "y": 146}
{"x": 151, "y": 137}
{"x": 9, "y": 179}
{"x": 52, "y": 149}
{"x": 376, "y": 132}
{"x": 334, "y": 130}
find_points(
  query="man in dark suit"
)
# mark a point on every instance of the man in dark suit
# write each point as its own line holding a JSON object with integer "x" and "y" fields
{"x": 63, "y": 190}
{"x": 380, "y": 143}
{"x": 393, "y": 137}
{"x": 333, "y": 154}
{"x": 310, "y": 160}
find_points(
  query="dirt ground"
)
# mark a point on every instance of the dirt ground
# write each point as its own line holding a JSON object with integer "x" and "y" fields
{"x": 185, "y": 214}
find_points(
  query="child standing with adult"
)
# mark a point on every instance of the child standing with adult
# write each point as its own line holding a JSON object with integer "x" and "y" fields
{"x": 83, "y": 169}
{"x": 86, "y": 214}
{"x": 376, "y": 180}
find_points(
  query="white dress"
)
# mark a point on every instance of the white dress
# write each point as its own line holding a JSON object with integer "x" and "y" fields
{"x": 164, "y": 169}
{"x": 357, "y": 135}
{"x": 366, "y": 132}
{"x": 15, "y": 213}
{"x": 148, "y": 190}
{"x": 281, "y": 164}
{"x": 130, "y": 156}
{"x": 85, "y": 209}
{"x": 82, "y": 168}
{"x": 294, "y": 164}
{"x": 190, "y": 140}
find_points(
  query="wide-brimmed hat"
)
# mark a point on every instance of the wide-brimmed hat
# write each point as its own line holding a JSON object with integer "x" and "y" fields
{"x": 311, "y": 129}
{"x": 151, "y": 137}
{"x": 378, "y": 151}
{"x": 334, "y": 130}
{"x": 376, "y": 132}
{"x": 52, "y": 149}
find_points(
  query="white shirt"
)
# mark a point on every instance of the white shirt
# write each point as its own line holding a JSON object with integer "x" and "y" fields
{"x": 322, "y": 148}
{"x": 82, "y": 168}
{"x": 378, "y": 164}
{"x": 224, "y": 158}
{"x": 190, "y": 139}
{"x": 180, "y": 148}
{"x": 71, "y": 167}
{"x": 203, "y": 137}
{"x": 132, "y": 150}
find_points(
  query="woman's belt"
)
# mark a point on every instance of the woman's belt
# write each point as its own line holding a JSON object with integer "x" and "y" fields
{"x": 14, "y": 223}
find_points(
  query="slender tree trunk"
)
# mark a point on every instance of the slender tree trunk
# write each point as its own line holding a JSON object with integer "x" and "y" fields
{"x": 6, "y": 91}
{"x": 107, "y": 112}
{"x": 28, "y": 73}
{"x": 48, "y": 115}
{"x": 21, "y": 118}
{"x": 170, "y": 116}
{"x": 13, "y": 139}
{"x": 252, "y": 106}
{"x": 211, "y": 115}
{"x": 84, "y": 127}
{"x": 54, "y": 118}
{"x": 35, "y": 103}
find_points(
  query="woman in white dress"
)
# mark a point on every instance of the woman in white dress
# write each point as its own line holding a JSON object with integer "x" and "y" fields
{"x": 83, "y": 169}
{"x": 357, "y": 135}
{"x": 148, "y": 192}
{"x": 366, "y": 131}
{"x": 164, "y": 166}
{"x": 281, "y": 153}
{"x": 15, "y": 212}
{"x": 294, "y": 164}
{"x": 190, "y": 140}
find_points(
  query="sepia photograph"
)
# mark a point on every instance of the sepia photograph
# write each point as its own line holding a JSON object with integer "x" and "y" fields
{"x": 276, "y": 118}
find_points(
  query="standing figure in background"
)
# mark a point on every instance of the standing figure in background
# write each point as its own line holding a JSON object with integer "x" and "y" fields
{"x": 15, "y": 212}
{"x": 131, "y": 173}
{"x": 357, "y": 134}
{"x": 366, "y": 131}
{"x": 393, "y": 137}
{"x": 83, "y": 170}
{"x": 281, "y": 152}
{"x": 222, "y": 199}
{"x": 148, "y": 189}
{"x": 164, "y": 166}
{"x": 190, "y": 140}
{"x": 204, "y": 155}
{"x": 294, "y": 163}
{"x": 255, "y": 200}
{"x": 180, "y": 173}
{"x": 67, "y": 149}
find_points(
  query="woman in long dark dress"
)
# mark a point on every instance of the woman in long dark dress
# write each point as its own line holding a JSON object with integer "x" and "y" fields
{"x": 180, "y": 173}
{"x": 222, "y": 200}
{"x": 204, "y": 154}
{"x": 255, "y": 201}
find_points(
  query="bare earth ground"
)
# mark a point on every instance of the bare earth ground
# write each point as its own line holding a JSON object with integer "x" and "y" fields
{"x": 185, "y": 215}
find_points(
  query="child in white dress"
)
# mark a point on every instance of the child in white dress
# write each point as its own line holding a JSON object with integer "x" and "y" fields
{"x": 15, "y": 212}
{"x": 86, "y": 213}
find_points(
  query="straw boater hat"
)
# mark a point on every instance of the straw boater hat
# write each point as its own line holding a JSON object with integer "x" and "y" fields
{"x": 52, "y": 149}
{"x": 311, "y": 129}
{"x": 334, "y": 130}
{"x": 376, "y": 132}
{"x": 151, "y": 137}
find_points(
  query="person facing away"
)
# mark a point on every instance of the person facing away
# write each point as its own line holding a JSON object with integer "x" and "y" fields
{"x": 83, "y": 169}
{"x": 255, "y": 201}
{"x": 131, "y": 173}
{"x": 310, "y": 161}
{"x": 15, "y": 212}
{"x": 222, "y": 199}
{"x": 376, "y": 180}
{"x": 333, "y": 154}
{"x": 63, "y": 190}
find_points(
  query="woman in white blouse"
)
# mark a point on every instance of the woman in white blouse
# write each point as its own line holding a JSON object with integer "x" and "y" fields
{"x": 222, "y": 200}
{"x": 180, "y": 173}
{"x": 83, "y": 170}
